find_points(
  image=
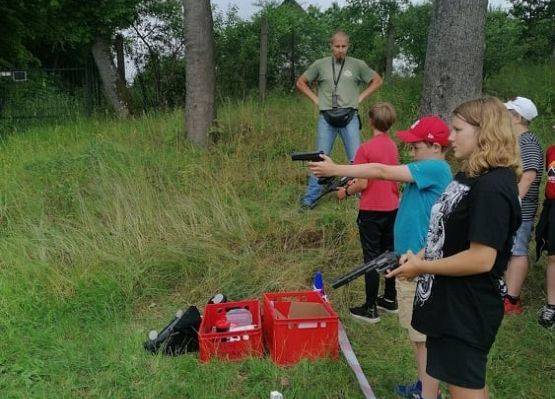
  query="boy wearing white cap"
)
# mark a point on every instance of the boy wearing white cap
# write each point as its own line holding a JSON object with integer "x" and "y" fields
{"x": 523, "y": 111}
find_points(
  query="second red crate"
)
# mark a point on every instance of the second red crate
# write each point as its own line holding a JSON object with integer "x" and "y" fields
{"x": 299, "y": 325}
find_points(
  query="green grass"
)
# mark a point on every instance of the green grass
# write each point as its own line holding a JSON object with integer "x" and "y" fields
{"x": 107, "y": 227}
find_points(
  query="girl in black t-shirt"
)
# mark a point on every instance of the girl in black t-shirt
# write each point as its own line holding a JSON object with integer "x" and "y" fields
{"x": 459, "y": 298}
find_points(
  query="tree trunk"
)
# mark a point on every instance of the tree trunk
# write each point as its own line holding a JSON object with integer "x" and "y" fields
{"x": 390, "y": 49}
{"x": 120, "y": 58}
{"x": 454, "y": 56}
{"x": 200, "y": 73}
{"x": 112, "y": 89}
{"x": 263, "y": 57}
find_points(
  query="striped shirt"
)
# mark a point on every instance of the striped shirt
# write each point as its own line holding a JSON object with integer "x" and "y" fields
{"x": 532, "y": 159}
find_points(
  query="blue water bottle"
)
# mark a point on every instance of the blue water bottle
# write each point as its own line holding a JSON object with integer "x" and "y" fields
{"x": 318, "y": 284}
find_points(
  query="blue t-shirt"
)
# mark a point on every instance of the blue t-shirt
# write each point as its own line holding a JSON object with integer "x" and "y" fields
{"x": 431, "y": 176}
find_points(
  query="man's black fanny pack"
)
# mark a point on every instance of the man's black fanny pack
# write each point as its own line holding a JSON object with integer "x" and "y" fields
{"x": 339, "y": 117}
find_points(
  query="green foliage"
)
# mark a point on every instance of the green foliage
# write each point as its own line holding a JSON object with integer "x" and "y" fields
{"x": 27, "y": 35}
{"x": 237, "y": 49}
{"x": 15, "y": 32}
{"x": 538, "y": 17}
{"x": 295, "y": 38}
{"x": 535, "y": 81}
{"x": 412, "y": 33}
{"x": 504, "y": 43}
{"x": 83, "y": 21}
{"x": 360, "y": 22}
{"x": 160, "y": 85}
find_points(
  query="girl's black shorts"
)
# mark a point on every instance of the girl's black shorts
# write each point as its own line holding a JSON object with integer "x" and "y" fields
{"x": 455, "y": 362}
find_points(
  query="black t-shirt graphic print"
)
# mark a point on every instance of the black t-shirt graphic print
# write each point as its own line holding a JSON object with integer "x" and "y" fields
{"x": 485, "y": 210}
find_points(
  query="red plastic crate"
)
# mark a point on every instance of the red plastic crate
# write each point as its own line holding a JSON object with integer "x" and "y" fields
{"x": 230, "y": 345}
{"x": 290, "y": 339}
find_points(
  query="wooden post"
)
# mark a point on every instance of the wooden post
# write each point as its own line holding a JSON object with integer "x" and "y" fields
{"x": 263, "y": 57}
{"x": 389, "y": 51}
{"x": 293, "y": 59}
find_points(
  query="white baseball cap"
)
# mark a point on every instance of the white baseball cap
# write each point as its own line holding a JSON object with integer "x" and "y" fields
{"x": 524, "y": 107}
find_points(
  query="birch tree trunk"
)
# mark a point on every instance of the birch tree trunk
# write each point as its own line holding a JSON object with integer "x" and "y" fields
{"x": 110, "y": 83}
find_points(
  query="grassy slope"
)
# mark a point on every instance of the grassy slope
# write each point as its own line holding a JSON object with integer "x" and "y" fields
{"x": 108, "y": 227}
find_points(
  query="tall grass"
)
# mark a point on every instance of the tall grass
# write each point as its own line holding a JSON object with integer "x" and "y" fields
{"x": 108, "y": 226}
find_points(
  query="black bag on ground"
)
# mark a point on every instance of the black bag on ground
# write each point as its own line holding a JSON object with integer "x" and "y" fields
{"x": 339, "y": 117}
{"x": 179, "y": 336}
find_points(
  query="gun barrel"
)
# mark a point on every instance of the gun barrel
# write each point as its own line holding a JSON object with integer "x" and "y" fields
{"x": 307, "y": 156}
{"x": 386, "y": 261}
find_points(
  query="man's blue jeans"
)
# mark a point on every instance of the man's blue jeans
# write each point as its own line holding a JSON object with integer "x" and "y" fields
{"x": 326, "y": 134}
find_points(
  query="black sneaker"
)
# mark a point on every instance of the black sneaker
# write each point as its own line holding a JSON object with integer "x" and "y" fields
{"x": 368, "y": 314}
{"x": 547, "y": 316}
{"x": 387, "y": 305}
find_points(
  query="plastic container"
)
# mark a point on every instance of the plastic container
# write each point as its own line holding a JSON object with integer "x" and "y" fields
{"x": 299, "y": 325}
{"x": 240, "y": 341}
{"x": 239, "y": 317}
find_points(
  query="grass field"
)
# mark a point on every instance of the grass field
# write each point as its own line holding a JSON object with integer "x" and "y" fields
{"x": 107, "y": 227}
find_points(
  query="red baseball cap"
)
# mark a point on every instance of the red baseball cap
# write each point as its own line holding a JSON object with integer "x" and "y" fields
{"x": 431, "y": 129}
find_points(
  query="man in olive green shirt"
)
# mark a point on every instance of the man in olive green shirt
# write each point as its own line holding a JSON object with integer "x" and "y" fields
{"x": 339, "y": 81}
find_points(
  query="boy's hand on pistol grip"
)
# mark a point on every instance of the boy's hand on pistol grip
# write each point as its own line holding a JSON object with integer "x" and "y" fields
{"x": 323, "y": 168}
{"x": 409, "y": 267}
{"x": 341, "y": 193}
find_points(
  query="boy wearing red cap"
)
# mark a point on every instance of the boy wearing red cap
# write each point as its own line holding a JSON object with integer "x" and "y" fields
{"x": 426, "y": 178}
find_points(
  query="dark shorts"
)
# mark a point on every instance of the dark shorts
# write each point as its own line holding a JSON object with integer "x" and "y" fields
{"x": 551, "y": 232}
{"x": 545, "y": 230}
{"x": 455, "y": 362}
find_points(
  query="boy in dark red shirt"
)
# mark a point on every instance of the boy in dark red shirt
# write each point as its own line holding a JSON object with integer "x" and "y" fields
{"x": 545, "y": 239}
{"x": 378, "y": 205}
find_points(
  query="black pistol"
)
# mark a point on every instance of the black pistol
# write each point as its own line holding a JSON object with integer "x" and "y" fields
{"x": 307, "y": 156}
{"x": 386, "y": 261}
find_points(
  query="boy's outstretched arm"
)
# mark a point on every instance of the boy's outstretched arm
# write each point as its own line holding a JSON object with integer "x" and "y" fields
{"x": 327, "y": 167}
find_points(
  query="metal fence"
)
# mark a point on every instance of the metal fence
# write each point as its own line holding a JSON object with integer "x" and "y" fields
{"x": 35, "y": 95}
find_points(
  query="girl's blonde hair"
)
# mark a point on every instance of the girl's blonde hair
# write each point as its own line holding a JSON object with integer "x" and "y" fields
{"x": 497, "y": 143}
